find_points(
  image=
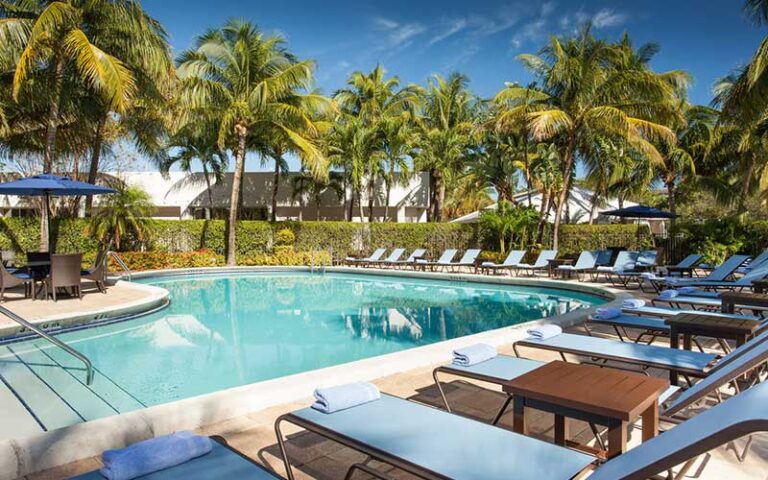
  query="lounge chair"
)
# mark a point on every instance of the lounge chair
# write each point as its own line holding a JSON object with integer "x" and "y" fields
{"x": 684, "y": 362}
{"x": 434, "y": 444}
{"x": 719, "y": 274}
{"x": 417, "y": 254}
{"x": 586, "y": 263}
{"x": 758, "y": 261}
{"x": 375, "y": 257}
{"x": 739, "y": 284}
{"x": 98, "y": 272}
{"x": 683, "y": 268}
{"x": 391, "y": 259}
{"x": 541, "y": 263}
{"x": 222, "y": 462}
{"x": 446, "y": 257}
{"x": 644, "y": 262}
{"x": 467, "y": 260}
{"x": 625, "y": 260}
{"x": 512, "y": 261}
{"x": 11, "y": 280}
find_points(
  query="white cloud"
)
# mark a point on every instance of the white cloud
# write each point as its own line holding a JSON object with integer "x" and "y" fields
{"x": 398, "y": 34}
{"x": 530, "y": 32}
{"x": 385, "y": 23}
{"x": 608, "y": 18}
{"x": 452, "y": 28}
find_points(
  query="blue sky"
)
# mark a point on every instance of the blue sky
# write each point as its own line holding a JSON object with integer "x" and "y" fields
{"x": 417, "y": 38}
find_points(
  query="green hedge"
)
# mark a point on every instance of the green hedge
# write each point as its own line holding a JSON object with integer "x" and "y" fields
{"x": 576, "y": 238}
{"x": 256, "y": 238}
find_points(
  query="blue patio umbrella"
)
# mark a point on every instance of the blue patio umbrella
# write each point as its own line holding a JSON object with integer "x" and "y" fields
{"x": 47, "y": 186}
{"x": 639, "y": 211}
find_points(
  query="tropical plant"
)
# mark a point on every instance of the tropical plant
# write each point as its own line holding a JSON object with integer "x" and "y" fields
{"x": 449, "y": 113}
{"x": 250, "y": 83}
{"x": 509, "y": 222}
{"x": 126, "y": 212}
{"x": 591, "y": 89}
{"x": 305, "y": 184}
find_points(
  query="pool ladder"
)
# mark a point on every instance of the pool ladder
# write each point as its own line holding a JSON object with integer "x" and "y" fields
{"x": 55, "y": 341}
{"x": 121, "y": 263}
{"x": 312, "y": 265}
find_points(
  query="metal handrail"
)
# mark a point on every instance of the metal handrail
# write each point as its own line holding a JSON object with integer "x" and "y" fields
{"x": 120, "y": 262}
{"x": 53, "y": 340}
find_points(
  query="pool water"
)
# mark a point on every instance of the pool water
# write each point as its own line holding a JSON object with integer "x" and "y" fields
{"x": 222, "y": 331}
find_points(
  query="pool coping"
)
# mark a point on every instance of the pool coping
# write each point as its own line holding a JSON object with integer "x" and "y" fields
{"x": 27, "y": 455}
{"x": 155, "y": 299}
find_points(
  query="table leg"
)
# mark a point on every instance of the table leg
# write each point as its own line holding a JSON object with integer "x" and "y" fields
{"x": 741, "y": 340}
{"x": 650, "y": 418}
{"x": 674, "y": 342}
{"x": 561, "y": 430}
{"x": 518, "y": 420}
{"x": 617, "y": 438}
{"x": 687, "y": 341}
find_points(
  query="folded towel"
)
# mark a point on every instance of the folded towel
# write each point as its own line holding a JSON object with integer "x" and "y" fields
{"x": 153, "y": 455}
{"x": 649, "y": 276}
{"x": 668, "y": 294}
{"x": 349, "y": 259}
{"x": 687, "y": 290}
{"x": 473, "y": 354}
{"x": 607, "y": 313}
{"x": 487, "y": 264}
{"x": 341, "y": 397}
{"x": 543, "y": 332}
{"x": 633, "y": 303}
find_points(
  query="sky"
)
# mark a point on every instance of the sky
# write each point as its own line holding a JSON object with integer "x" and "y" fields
{"x": 417, "y": 38}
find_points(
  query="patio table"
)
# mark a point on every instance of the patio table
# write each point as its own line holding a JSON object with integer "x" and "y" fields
{"x": 604, "y": 396}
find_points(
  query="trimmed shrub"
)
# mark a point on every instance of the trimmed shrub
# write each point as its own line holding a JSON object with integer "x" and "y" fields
{"x": 285, "y": 237}
{"x": 576, "y": 238}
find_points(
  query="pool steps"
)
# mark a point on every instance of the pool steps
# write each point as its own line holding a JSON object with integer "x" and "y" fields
{"x": 42, "y": 388}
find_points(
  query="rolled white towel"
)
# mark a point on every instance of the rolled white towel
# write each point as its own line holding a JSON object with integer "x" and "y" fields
{"x": 687, "y": 290}
{"x": 668, "y": 294}
{"x": 341, "y": 397}
{"x": 487, "y": 264}
{"x": 473, "y": 354}
{"x": 649, "y": 276}
{"x": 633, "y": 303}
{"x": 543, "y": 332}
{"x": 607, "y": 313}
{"x": 350, "y": 259}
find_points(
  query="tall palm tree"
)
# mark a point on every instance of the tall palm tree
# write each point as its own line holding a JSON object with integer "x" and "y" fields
{"x": 249, "y": 81}
{"x": 197, "y": 142}
{"x": 449, "y": 112}
{"x": 107, "y": 49}
{"x": 398, "y": 140}
{"x": 590, "y": 91}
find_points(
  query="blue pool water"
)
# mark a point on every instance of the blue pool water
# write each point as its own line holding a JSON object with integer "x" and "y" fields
{"x": 224, "y": 331}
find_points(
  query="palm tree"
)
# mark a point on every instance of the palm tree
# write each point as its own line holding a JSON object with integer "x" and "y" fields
{"x": 446, "y": 133}
{"x": 493, "y": 163}
{"x": 249, "y": 82}
{"x": 305, "y": 184}
{"x": 107, "y": 49}
{"x": 590, "y": 91}
{"x": 126, "y": 212}
{"x": 398, "y": 140}
{"x": 197, "y": 142}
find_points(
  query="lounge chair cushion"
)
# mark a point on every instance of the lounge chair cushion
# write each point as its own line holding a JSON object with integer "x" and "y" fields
{"x": 663, "y": 357}
{"x": 220, "y": 463}
{"x": 502, "y": 367}
{"x": 449, "y": 445}
{"x": 634, "y": 321}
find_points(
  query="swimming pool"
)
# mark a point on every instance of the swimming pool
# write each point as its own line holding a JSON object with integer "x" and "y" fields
{"x": 222, "y": 331}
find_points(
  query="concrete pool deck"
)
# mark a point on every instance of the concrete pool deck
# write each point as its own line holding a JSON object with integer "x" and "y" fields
{"x": 316, "y": 458}
{"x": 122, "y": 298}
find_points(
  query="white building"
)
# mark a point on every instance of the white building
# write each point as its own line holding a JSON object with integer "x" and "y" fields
{"x": 181, "y": 195}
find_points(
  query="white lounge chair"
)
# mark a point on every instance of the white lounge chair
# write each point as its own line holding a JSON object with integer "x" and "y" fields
{"x": 541, "y": 263}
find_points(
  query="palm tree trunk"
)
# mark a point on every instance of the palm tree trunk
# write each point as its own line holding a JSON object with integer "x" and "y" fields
{"x": 93, "y": 170}
{"x": 593, "y": 210}
{"x": 209, "y": 210}
{"x": 50, "y": 145}
{"x": 351, "y": 202}
{"x": 370, "y": 198}
{"x": 237, "y": 180}
{"x": 746, "y": 183}
{"x": 527, "y": 166}
{"x": 275, "y": 188}
{"x": 437, "y": 216}
{"x": 672, "y": 205}
{"x": 360, "y": 202}
{"x": 432, "y": 196}
{"x": 566, "y": 188}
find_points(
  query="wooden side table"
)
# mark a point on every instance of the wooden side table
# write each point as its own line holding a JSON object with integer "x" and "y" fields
{"x": 714, "y": 326}
{"x": 729, "y": 300}
{"x": 603, "y": 396}
{"x": 760, "y": 286}
{"x": 556, "y": 262}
